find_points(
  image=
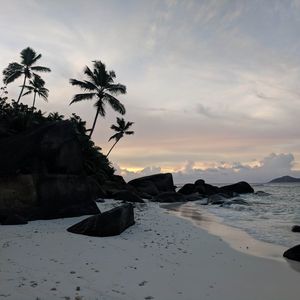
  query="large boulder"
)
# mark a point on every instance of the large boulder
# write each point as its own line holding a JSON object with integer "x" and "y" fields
{"x": 187, "y": 189}
{"x": 109, "y": 223}
{"x": 52, "y": 148}
{"x": 42, "y": 174}
{"x": 204, "y": 188}
{"x": 169, "y": 197}
{"x": 154, "y": 184}
{"x": 241, "y": 187}
{"x": 293, "y": 253}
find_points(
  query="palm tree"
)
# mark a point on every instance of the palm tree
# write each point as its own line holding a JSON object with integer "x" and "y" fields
{"x": 100, "y": 86}
{"x": 121, "y": 129}
{"x": 27, "y": 68}
{"x": 37, "y": 88}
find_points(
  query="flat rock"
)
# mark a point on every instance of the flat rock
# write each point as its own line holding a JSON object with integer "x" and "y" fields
{"x": 170, "y": 197}
{"x": 127, "y": 196}
{"x": 109, "y": 223}
{"x": 296, "y": 228}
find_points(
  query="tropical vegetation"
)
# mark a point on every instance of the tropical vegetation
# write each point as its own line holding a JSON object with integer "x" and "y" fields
{"x": 27, "y": 68}
{"x": 101, "y": 87}
{"x": 121, "y": 129}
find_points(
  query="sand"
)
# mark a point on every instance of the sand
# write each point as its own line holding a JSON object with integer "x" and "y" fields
{"x": 162, "y": 257}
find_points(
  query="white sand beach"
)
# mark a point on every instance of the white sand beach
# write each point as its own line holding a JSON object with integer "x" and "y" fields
{"x": 161, "y": 257}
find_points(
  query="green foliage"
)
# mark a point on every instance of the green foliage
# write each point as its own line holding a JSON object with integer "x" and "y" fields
{"x": 17, "y": 118}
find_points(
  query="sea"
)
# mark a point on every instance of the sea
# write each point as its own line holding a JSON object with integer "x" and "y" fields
{"x": 268, "y": 218}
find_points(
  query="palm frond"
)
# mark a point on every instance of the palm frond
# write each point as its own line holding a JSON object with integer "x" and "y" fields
{"x": 80, "y": 97}
{"x": 129, "y": 132}
{"x": 40, "y": 69}
{"x": 28, "y": 55}
{"x": 116, "y": 89}
{"x": 115, "y": 103}
{"x": 12, "y": 72}
{"x": 116, "y": 136}
{"x": 27, "y": 93}
{"x": 36, "y": 58}
{"x": 85, "y": 85}
{"x": 87, "y": 71}
{"x": 115, "y": 128}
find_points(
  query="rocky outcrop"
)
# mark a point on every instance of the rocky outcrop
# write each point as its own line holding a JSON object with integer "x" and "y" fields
{"x": 154, "y": 184}
{"x": 241, "y": 187}
{"x": 293, "y": 253}
{"x": 109, "y": 223}
{"x": 42, "y": 175}
{"x": 188, "y": 189}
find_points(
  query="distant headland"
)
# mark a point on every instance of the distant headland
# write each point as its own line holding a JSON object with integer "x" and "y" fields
{"x": 285, "y": 179}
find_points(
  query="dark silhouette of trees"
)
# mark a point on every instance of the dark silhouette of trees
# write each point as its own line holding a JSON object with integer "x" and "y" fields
{"x": 27, "y": 68}
{"x": 121, "y": 129}
{"x": 37, "y": 87}
{"x": 101, "y": 87}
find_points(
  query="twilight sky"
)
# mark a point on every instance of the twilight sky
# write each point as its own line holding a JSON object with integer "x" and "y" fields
{"x": 213, "y": 86}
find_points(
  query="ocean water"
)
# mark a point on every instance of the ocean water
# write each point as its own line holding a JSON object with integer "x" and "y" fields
{"x": 267, "y": 218}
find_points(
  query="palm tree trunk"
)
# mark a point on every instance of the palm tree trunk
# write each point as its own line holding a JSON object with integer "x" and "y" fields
{"x": 33, "y": 104}
{"x": 112, "y": 147}
{"x": 25, "y": 77}
{"x": 94, "y": 123}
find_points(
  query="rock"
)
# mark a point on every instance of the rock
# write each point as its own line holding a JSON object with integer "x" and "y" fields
{"x": 187, "y": 189}
{"x": 146, "y": 187}
{"x": 127, "y": 196}
{"x": 14, "y": 220}
{"x": 47, "y": 196}
{"x": 296, "y": 228}
{"x": 100, "y": 200}
{"x": 216, "y": 199}
{"x": 154, "y": 184}
{"x": 109, "y": 223}
{"x": 262, "y": 193}
{"x": 205, "y": 189}
{"x": 241, "y": 187}
{"x": 293, "y": 253}
{"x": 169, "y": 197}
{"x": 52, "y": 148}
{"x": 145, "y": 195}
{"x": 193, "y": 197}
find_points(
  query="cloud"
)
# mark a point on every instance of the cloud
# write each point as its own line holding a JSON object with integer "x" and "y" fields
{"x": 270, "y": 167}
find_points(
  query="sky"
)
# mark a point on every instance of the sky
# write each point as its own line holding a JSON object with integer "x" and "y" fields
{"x": 212, "y": 86}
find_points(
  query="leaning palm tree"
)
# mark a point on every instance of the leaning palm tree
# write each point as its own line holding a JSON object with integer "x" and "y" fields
{"x": 36, "y": 87}
{"x": 101, "y": 87}
{"x": 27, "y": 68}
{"x": 121, "y": 129}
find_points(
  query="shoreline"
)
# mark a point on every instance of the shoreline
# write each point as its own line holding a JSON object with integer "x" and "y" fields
{"x": 236, "y": 238}
{"x": 161, "y": 257}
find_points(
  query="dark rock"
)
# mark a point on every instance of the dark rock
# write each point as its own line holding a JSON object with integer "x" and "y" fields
{"x": 205, "y": 189}
{"x": 48, "y": 196}
{"x": 296, "y": 228}
{"x": 52, "y": 148}
{"x": 127, "y": 196}
{"x": 187, "y": 189}
{"x": 216, "y": 199}
{"x": 109, "y": 223}
{"x": 193, "y": 197}
{"x": 293, "y": 253}
{"x": 14, "y": 220}
{"x": 154, "y": 184}
{"x": 169, "y": 197}
{"x": 147, "y": 187}
{"x": 241, "y": 187}
{"x": 145, "y": 195}
{"x": 100, "y": 200}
